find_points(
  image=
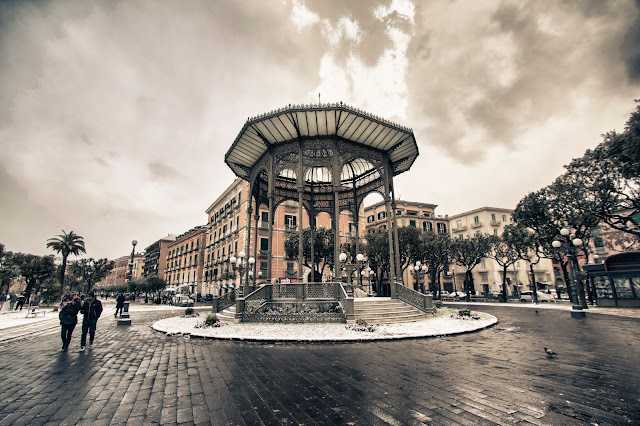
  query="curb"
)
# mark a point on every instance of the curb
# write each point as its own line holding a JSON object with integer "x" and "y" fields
{"x": 196, "y": 334}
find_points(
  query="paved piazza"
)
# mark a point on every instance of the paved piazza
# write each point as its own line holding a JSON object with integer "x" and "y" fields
{"x": 500, "y": 375}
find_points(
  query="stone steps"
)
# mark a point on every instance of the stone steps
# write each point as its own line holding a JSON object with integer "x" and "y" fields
{"x": 384, "y": 310}
{"x": 228, "y": 315}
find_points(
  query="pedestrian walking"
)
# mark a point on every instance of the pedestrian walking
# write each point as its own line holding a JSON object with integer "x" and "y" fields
{"x": 21, "y": 298}
{"x": 3, "y": 298}
{"x": 91, "y": 311}
{"x": 12, "y": 300}
{"x": 119, "y": 304}
{"x": 68, "y": 319}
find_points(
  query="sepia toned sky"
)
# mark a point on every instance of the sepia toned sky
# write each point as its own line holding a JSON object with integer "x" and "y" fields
{"x": 115, "y": 115}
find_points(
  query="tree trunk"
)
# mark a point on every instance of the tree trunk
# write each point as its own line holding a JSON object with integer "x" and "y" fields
{"x": 535, "y": 286}
{"x": 576, "y": 274}
{"x": 504, "y": 283}
{"x": 63, "y": 269}
{"x": 567, "y": 281}
{"x": 469, "y": 284}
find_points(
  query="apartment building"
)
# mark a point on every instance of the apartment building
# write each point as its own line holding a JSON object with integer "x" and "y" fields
{"x": 120, "y": 273}
{"x": 409, "y": 213}
{"x": 226, "y": 236}
{"x": 184, "y": 261}
{"x": 155, "y": 258}
{"x": 487, "y": 275}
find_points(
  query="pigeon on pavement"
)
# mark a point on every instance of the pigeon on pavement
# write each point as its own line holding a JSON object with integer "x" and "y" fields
{"x": 549, "y": 352}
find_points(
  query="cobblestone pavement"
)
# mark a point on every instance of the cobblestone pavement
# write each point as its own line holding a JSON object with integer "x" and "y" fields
{"x": 501, "y": 375}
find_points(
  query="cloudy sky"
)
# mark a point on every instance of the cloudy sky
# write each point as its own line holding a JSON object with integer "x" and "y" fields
{"x": 115, "y": 115}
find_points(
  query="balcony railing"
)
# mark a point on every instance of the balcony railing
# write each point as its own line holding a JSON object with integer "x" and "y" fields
{"x": 476, "y": 224}
{"x": 495, "y": 222}
{"x": 459, "y": 228}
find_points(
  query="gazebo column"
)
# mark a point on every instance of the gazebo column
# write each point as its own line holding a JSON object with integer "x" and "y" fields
{"x": 356, "y": 218}
{"x": 255, "y": 243}
{"x": 396, "y": 250}
{"x": 300, "y": 200}
{"x": 335, "y": 175}
{"x": 248, "y": 242}
{"x": 387, "y": 205}
{"x": 271, "y": 218}
{"x": 300, "y": 236}
{"x": 312, "y": 225}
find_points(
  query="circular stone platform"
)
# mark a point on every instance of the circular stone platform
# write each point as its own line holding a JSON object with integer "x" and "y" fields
{"x": 440, "y": 325}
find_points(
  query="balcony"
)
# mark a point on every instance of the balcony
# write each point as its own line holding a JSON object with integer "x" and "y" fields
{"x": 495, "y": 222}
{"x": 476, "y": 224}
{"x": 290, "y": 228}
{"x": 262, "y": 254}
{"x": 263, "y": 224}
{"x": 459, "y": 228}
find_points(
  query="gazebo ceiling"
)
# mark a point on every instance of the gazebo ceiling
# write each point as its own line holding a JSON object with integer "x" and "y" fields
{"x": 338, "y": 121}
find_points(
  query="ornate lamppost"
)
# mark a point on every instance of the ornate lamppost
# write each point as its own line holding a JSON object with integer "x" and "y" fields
{"x": 240, "y": 265}
{"x": 419, "y": 271}
{"x": 576, "y": 295}
{"x": 351, "y": 266}
{"x": 125, "y": 318}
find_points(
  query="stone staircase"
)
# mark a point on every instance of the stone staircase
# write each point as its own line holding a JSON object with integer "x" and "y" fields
{"x": 384, "y": 310}
{"x": 228, "y": 315}
{"x": 374, "y": 310}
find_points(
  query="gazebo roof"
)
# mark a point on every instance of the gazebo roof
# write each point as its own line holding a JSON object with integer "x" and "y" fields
{"x": 321, "y": 121}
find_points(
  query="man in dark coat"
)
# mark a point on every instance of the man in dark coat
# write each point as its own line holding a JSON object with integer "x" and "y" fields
{"x": 91, "y": 311}
{"x": 119, "y": 304}
{"x": 68, "y": 319}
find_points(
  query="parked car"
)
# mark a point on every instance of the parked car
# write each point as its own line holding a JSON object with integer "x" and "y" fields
{"x": 182, "y": 300}
{"x": 527, "y": 296}
{"x": 455, "y": 296}
{"x": 206, "y": 298}
{"x": 443, "y": 294}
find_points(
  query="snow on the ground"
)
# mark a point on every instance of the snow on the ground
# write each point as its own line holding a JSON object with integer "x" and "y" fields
{"x": 10, "y": 318}
{"x": 442, "y": 324}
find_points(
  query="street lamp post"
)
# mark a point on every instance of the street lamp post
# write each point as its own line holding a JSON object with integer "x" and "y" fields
{"x": 125, "y": 318}
{"x": 419, "y": 271}
{"x": 577, "y": 308}
{"x": 239, "y": 265}
{"x": 351, "y": 266}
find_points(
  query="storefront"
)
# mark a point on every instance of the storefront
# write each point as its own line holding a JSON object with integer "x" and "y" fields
{"x": 616, "y": 281}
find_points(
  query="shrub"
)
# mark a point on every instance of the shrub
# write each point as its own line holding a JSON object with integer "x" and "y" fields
{"x": 188, "y": 311}
{"x": 438, "y": 304}
{"x": 464, "y": 313}
{"x": 361, "y": 322}
{"x": 211, "y": 320}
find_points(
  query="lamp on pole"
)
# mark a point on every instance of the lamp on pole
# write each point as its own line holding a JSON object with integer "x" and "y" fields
{"x": 576, "y": 311}
{"x": 240, "y": 264}
{"x": 125, "y": 318}
{"x": 419, "y": 271}
{"x": 349, "y": 267}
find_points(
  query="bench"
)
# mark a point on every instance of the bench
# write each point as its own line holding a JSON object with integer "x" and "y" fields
{"x": 34, "y": 311}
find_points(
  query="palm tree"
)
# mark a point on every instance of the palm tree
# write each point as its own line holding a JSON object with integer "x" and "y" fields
{"x": 66, "y": 244}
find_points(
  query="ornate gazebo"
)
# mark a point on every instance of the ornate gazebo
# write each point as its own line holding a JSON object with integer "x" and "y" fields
{"x": 328, "y": 158}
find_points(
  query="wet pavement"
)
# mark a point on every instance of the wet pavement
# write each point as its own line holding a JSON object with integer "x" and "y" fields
{"x": 500, "y": 375}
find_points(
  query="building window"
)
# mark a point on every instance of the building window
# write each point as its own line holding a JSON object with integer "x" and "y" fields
{"x": 442, "y": 228}
{"x": 483, "y": 264}
{"x": 382, "y": 228}
{"x": 264, "y": 217}
{"x": 352, "y": 227}
{"x": 495, "y": 232}
{"x": 412, "y": 213}
{"x": 290, "y": 221}
{"x": 236, "y": 247}
{"x": 412, "y": 223}
{"x": 382, "y": 215}
{"x": 484, "y": 276}
{"x": 398, "y": 212}
{"x": 459, "y": 224}
{"x": 264, "y": 244}
{"x": 426, "y": 214}
{"x": 370, "y": 218}
{"x": 504, "y": 217}
{"x": 476, "y": 219}
{"x": 290, "y": 267}
{"x": 427, "y": 226}
{"x": 493, "y": 217}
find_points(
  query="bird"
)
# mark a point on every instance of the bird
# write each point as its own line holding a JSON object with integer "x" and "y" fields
{"x": 537, "y": 311}
{"x": 549, "y": 352}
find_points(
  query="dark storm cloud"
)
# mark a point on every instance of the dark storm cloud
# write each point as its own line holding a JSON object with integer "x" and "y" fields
{"x": 159, "y": 171}
{"x": 631, "y": 47}
{"x": 527, "y": 65}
